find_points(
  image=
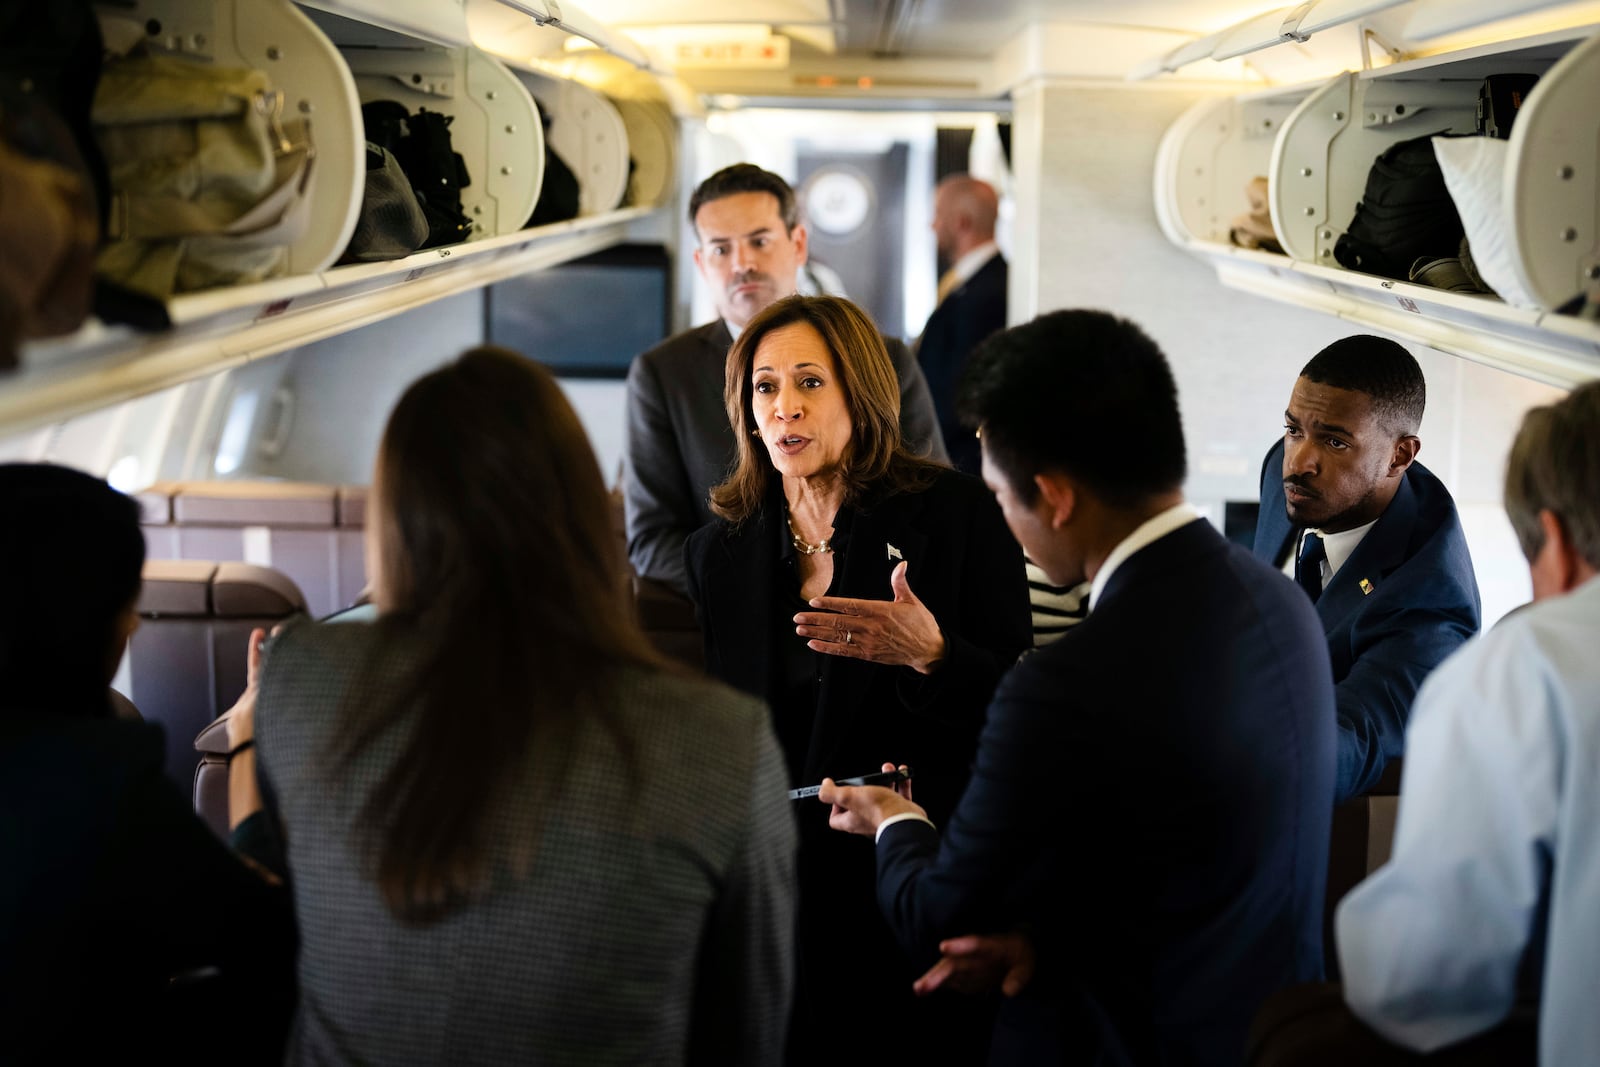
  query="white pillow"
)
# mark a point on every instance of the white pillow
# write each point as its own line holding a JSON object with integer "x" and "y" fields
{"x": 1474, "y": 172}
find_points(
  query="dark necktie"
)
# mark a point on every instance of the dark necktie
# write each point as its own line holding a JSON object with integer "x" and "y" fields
{"x": 1308, "y": 566}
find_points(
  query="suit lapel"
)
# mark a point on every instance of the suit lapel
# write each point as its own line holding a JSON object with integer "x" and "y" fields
{"x": 1375, "y": 558}
{"x": 1273, "y": 529}
{"x": 892, "y": 524}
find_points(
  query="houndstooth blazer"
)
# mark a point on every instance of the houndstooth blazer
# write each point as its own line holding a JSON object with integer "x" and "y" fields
{"x": 655, "y": 926}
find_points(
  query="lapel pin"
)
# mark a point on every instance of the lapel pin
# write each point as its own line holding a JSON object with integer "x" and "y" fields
{"x": 1366, "y": 587}
{"x": 894, "y": 553}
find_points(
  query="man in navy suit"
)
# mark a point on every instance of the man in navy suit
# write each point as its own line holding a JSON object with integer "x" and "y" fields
{"x": 1374, "y": 539}
{"x": 1152, "y": 792}
{"x": 972, "y": 301}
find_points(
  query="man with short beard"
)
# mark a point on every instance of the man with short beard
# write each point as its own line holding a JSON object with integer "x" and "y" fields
{"x": 1374, "y": 539}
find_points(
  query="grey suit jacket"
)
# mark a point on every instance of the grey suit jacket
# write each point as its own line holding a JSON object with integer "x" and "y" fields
{"x": 679, "y": 443}
{"x": 655, "y": 926}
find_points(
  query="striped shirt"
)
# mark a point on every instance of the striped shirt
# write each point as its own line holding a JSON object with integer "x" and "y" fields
{"x": 1056, "y": 608}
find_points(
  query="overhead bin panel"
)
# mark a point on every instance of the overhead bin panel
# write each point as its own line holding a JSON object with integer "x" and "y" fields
{"x": 647, "y": 115}
{"x": 494, "y": 123}
{"x": 1263, "y": 31}
{"x": 587, "y": 133}
{"x": 1325, "y": 14}
{"x": 553, "y": 24}
{"x": 1428, "y": 19}
{"x": 1552, "y": 191}
{"x": 302, "y": 63}
{"x": 440, "y": 22}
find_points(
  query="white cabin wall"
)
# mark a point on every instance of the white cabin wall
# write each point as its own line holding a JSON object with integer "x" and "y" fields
{"x": 1086, "y": 235}
{"x": 344, "y": 388}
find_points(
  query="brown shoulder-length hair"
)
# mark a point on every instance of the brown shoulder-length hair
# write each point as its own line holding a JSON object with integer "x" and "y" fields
{"x": 876, "y": 464}
{"x": 497, "y": 559}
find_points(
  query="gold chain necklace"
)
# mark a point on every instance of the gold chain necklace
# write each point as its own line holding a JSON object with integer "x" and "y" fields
{"x": 802, "y": 545}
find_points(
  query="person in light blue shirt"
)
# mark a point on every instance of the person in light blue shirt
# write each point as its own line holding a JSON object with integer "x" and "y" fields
{"x": 1496, "y": 866}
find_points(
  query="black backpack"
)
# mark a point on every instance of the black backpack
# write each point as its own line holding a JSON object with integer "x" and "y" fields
{"x": 1406, "y": 213}
{"x": 421, "y": 144}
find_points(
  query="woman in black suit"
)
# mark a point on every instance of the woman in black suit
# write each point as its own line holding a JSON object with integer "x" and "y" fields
{"x": 873, "y": 599}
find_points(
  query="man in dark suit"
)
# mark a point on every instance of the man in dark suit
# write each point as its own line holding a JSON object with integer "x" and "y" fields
{"x": 1374, "y": 539}
{"x": 679, "y": 443}
{"x": 972, "y": 301}
{"x": 1171, "y": 876}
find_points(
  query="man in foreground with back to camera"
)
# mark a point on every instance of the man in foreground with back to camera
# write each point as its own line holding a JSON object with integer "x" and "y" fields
{"x": 1170, "y": 876}
{"x": 1374, "y": 539}
{"x": 1496, "y": 867}
{"x": 679, "y": 443}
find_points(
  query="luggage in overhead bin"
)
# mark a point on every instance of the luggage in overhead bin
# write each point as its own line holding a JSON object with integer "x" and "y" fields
{"x": 421, "y": 143}
{"x": 1405, "y": 214}
{"x": 391, "y": 224}
{"x": 208, "y": 176}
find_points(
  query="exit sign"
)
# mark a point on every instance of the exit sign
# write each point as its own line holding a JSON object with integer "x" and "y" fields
{"x": 769, "y": 53}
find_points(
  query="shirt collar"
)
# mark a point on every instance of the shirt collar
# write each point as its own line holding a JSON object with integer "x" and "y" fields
{"x": 971, "y": 263}
{"x": 1339, "y": 546}
{"x": 1148, "y": 532}
{"x": 733, "y": 331}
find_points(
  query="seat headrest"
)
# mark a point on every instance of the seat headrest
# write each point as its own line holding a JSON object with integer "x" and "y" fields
{"x": 200, "y": 589}
{"x": 243, "y": 590}
{"x": 352, "y": 505}
{"x": 254, "y": 504}
{"x": 155, "y": 503}
{"x": 176, "y": 587}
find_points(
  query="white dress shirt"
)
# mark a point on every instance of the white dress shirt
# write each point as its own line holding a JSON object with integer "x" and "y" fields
{"x": 1497, "y": 824}
{"x": 1339, "y": 548}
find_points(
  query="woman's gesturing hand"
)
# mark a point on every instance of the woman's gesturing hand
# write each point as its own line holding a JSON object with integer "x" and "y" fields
{"x": 901, "y": 632}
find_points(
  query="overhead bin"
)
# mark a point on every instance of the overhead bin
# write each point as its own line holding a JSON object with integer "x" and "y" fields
{"x": 1316, "y": 145}
{"x": 325, "y": 56}
{"x": 302, "y": 63}
{"x": 494, "y": 121}
{"x": 588, "y": 134}
{"x": 647, "y": 115}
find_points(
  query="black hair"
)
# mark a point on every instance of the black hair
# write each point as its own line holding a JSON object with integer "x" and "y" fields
{"x": 73, "y": 555}
{"x": 746, "y": 178}
{"x": 1084, "y": 392}
{"x": 1380, "y": 368}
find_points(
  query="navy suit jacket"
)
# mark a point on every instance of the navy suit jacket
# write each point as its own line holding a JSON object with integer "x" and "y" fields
{"x": 964, "y": 318}
{"x": 1152, "y": 801}
{"x": 1419, "y": 605}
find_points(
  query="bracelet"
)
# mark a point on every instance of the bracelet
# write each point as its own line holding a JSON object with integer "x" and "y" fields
{"x": 247, "y": 743}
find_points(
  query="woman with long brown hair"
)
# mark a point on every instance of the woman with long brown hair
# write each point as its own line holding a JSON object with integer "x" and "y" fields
{"x": 513, "y": 833}
{"x": 873, "y": 599}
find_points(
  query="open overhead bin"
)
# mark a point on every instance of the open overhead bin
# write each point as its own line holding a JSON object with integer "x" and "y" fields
{"x": 276, "y": 37}
{"x": 494, "y": 122}
{"x": 325, "y": 57}
{"x": 585, "y": 131}
{"x": 1316, "y": 146}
